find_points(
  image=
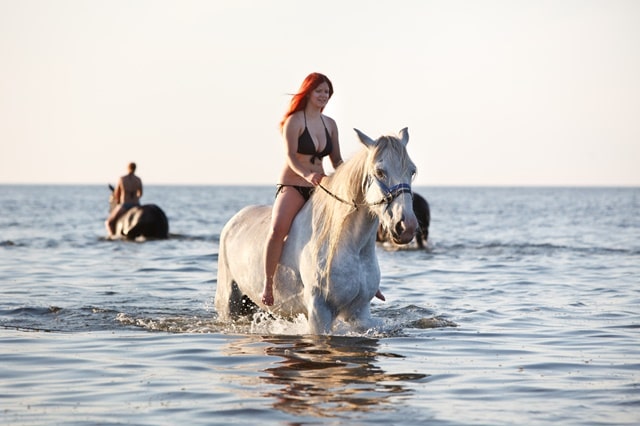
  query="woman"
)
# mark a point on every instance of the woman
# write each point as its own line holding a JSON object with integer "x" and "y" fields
{"x": 309, "y": 136}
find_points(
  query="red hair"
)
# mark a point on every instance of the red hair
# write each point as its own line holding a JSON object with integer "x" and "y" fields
{"x": 299, "y": 100}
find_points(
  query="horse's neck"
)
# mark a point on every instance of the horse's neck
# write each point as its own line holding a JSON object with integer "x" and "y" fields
{"x": 360, "y": 229}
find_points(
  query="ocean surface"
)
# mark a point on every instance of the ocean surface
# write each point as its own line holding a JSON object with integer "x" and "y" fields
{"x": 524, "y": 310}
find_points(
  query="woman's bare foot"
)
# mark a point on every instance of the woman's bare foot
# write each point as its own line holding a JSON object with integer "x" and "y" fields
{"x": 267, "y": 295}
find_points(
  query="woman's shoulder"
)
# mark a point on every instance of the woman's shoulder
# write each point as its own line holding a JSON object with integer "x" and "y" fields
{"x": 295, "y": 120}
{"x": 328, "y": 119}
{"x": 330, "y": 122}
{"x": 297, "y": 116}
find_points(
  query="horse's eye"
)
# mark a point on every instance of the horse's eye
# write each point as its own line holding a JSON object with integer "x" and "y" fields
{"x": 381, "y": 174}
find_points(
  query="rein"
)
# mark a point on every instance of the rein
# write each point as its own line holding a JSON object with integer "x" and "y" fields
{"x": 352, "y": 203}
{"x": 390, "y": 194}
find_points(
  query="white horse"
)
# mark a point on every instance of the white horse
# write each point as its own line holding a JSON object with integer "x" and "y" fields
{"x": 328, "y": 268}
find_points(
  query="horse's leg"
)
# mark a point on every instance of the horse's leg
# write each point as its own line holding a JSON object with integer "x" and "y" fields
{"x": 319, "y": 316}
{"x": 363, "y": 320}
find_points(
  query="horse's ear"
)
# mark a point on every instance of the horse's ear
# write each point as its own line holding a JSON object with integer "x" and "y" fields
{"x": 404, "y": 136}
{"x": 365, "y": 139}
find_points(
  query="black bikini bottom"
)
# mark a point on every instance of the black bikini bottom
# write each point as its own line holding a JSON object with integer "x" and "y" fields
{"x": 305, "y": 191}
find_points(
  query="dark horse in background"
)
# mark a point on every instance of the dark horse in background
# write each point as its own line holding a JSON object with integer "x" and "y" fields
{"x": 147, "y": 221}
{"x": 423, "y": 214}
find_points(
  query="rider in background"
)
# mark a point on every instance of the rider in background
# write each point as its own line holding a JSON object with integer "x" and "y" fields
{"x": 127, "y": 194}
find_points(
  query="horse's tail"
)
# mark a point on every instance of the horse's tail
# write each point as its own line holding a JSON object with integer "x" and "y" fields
{"x": 223, "y": 280}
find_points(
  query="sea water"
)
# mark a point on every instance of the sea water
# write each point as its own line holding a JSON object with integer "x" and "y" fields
{"x": 524, "y": 309}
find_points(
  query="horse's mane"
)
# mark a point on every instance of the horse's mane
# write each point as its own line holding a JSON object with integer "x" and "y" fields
{"x": 347, "y": 183}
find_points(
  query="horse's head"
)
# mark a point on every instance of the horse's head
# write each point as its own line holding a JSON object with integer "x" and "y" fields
{"x": 387, "y": 184}
{"x": 112, "y": 200}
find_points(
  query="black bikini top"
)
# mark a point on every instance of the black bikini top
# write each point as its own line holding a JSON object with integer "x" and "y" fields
{"x": 307, "y": 147}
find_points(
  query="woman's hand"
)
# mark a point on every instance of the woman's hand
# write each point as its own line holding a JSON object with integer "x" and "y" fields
{"x": 315, "y": 178}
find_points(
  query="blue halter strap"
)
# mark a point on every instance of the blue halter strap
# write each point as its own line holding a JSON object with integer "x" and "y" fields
{"x": 392, "y": 193}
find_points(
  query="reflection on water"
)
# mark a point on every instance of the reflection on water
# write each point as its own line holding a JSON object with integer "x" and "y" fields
{"x": 323, "y": 376}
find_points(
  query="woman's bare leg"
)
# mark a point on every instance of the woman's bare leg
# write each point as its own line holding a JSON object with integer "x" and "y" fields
{"x": 287, "y": 204}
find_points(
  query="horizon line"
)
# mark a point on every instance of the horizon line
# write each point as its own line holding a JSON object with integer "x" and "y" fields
{"x": 442, "y": 185}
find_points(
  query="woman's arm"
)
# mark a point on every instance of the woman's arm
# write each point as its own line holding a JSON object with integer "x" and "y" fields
{"x": 336, "y": 155}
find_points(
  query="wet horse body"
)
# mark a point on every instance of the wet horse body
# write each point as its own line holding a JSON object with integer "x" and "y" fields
{"x": 146, "y": 221}
{"x": 328, "y": 269}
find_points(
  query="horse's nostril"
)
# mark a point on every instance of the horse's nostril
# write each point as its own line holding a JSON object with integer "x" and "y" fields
{"x": 399, "y": 228}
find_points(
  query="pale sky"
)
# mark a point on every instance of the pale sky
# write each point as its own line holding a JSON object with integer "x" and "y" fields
{"x": 493, "y": 92}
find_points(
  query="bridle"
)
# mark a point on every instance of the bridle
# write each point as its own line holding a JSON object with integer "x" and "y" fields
{"x": 389, "y": 194}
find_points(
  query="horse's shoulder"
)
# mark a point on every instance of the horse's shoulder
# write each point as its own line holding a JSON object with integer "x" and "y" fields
{"x": 419, "y": 197}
